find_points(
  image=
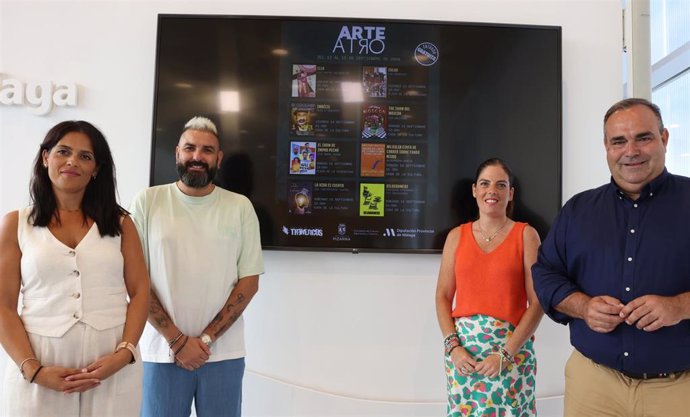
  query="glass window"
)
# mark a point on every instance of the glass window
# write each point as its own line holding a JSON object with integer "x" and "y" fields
{"x": 670, "y": 40}
{"x": 670, "y": 26}
{"x": 673, "y": 97}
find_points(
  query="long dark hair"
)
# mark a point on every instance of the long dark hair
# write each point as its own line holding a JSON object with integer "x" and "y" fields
{"x": 99, "y": 203}
{"x": 511, "y": 178}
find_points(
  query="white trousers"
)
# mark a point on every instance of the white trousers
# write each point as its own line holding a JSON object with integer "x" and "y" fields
{"x": 119, "y": 395}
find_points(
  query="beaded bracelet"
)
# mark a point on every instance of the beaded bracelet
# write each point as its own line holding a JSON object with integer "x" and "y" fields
{"x": 450, "y": 342}
{"x": 505, "y": 355}
{"x": 450, "y": 338}
{"x": 451, "y": 350}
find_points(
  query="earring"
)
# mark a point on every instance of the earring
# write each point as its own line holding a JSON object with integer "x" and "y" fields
{"x": 45, "y": 165}
{"x": 93, "y": 176}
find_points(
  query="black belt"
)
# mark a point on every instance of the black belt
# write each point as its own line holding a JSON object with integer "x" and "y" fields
{"x": 653, "y": 375}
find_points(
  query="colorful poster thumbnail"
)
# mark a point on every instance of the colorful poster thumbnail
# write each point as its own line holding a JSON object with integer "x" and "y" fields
{"x": 302, "y": 158}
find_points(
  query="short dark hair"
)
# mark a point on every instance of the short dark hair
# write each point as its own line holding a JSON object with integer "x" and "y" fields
{"x": 631, "y": 102}
{"x": 99, "y": 203}
{"x": 511, "y": 178}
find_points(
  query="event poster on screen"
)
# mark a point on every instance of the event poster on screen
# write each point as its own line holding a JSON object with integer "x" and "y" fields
{"x": 364, "y": 134}
{"x": 355, "y": 151}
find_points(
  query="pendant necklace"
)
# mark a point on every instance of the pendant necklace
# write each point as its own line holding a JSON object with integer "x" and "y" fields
{"x": 490, "y": 238}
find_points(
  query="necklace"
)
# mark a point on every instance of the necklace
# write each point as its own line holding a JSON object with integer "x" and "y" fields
{"x": 490, "y": 238}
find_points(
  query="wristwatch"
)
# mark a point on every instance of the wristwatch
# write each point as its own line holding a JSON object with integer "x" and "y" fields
{"x": 206, "y": 339}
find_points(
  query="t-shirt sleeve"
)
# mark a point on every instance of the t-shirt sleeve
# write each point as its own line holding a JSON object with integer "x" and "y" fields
{"x": 251, "y": 259}
{"x": 138, "y": 212}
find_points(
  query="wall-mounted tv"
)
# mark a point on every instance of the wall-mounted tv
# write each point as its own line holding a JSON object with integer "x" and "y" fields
{"x": 363, "y": 134}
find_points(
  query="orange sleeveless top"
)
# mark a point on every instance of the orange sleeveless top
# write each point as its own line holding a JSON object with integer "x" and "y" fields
{"x": 490, "y": 283}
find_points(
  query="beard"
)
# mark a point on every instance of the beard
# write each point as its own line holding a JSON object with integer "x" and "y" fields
{"x": 196, "y": 179}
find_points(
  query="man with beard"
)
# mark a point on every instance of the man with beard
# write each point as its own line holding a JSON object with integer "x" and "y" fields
{"x": 203, "y": 252}
{"x": 301, "y": 122}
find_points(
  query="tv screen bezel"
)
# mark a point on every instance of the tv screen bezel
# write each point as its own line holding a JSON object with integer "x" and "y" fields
{"x": 355, "y": 20}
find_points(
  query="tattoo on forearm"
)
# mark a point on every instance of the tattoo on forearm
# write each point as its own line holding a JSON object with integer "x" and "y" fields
{"x": 217, "y": 318}
{"x": 157, "y": 315}
{"x": 155, "y": 307}
{"x": 234, "y": 310}
{"x": 226, "y": 326}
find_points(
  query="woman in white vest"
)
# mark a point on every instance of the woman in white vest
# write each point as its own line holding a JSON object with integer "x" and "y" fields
{"x": 75, "y": 257}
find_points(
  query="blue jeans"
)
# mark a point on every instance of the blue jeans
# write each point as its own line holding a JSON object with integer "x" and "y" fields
{"x": 216, "y": 389}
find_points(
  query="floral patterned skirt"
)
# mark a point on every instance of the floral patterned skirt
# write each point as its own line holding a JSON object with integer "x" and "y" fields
{"x": 510, "y": 394}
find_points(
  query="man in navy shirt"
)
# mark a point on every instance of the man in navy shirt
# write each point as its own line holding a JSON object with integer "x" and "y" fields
{"x": 616, "y": 268}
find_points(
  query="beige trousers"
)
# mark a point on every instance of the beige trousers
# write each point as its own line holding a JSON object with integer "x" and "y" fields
{"x": 596, "y": 390}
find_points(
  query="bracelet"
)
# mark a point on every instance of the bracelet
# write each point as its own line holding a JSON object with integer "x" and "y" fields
{"x": 181, "y": 346}
{"x": 500, "y": 361}
{"x": 451, "y": 349}
{"x": 505, "y": 355}
{"x": 174, "y": 340}
{"x": 447, "y": 347}
{"x": 449, "y": 335}
{"x": 35, "y": 374}
{"x": 451, "y": 341}
{"x": 21, "y": 365}
{"x": 130, "y": 347}
{"x": 450, "y": 338}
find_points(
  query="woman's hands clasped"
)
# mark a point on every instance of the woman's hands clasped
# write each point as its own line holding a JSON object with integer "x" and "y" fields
{"x": 57, "y": 379}
{"x": 91, "y": 376}
{"x": 490, "y": 367}
{"x": 465, "y": 364}
{"x": 463, "y": 361}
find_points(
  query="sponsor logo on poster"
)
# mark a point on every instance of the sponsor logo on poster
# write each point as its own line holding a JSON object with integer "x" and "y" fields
{"x": 303, "y": 231}
{"x": 426, "y": 53}
{"x": 342, "y": 233}
{"x": 410, "y": 233}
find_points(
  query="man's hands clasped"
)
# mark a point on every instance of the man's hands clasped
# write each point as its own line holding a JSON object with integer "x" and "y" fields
{"x": 190, "y": 353}
{"x": 649, "y": 313}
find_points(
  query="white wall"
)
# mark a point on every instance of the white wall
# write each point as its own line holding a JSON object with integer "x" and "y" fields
{"x": 329, "y": 333}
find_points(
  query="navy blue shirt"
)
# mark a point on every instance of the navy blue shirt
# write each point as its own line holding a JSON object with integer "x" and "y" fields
{"x": 604, "y": 243}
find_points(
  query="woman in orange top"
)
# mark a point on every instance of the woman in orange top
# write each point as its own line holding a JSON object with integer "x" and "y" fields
{"x": 485, "y": 269}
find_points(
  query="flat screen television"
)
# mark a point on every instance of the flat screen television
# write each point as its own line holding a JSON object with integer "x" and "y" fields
{"x": 363, "y": 134}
